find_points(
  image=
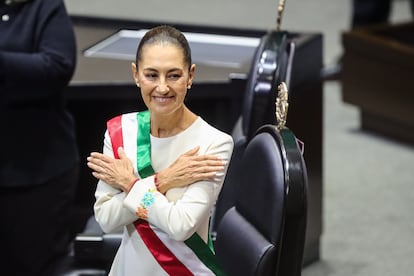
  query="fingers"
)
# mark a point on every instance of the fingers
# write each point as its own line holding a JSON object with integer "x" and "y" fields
{"x": 192, "y": 154}
{"x": 98, "y": 176}
{"x": 205, "y": 169}
{"x": 121, "y": 153}
{"x": 192, "y": 163}
{"x": 208, "y": 160}
{"x": 99, "y": 156}
{"x": 199, "y": 175}
{"x": 200, "y": 170}
{"x": 96, "y": 164}
{"x": 205, "y": 176}
{"x": 105, "y": 177}
{"x": 192, "y": 151}
{"x": 94, "y": 167}
{"x": 98, "y": 171}
{"x": 100, "y": 164}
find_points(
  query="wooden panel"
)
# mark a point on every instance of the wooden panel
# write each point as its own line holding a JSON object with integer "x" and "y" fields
{"x": 378, "y": 67}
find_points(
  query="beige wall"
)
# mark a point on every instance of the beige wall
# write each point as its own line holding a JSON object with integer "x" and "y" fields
{"x": 299, "y": 15}
{"x": 253, "y": 14}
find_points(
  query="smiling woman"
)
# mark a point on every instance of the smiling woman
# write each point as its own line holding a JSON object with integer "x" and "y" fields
{"x": 161, "y": 169}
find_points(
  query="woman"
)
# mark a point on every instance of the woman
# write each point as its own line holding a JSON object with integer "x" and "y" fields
{"x": 170, "y": 169}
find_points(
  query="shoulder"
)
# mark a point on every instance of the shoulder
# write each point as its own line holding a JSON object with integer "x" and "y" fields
{"x": 214, "y": 134}
{"x": 120, "y": 117}
{"x": 39, "y": 11}
{"x": 47, "y": 5}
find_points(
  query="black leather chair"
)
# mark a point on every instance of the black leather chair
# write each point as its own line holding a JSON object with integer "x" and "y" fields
{"x": 264, "y": 233}
{"x": 271, "y": 65}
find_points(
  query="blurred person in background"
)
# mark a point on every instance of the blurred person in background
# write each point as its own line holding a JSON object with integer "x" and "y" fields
{"x": 39, "y": 159}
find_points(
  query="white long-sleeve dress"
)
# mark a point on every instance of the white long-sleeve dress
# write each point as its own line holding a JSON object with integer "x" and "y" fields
{"x": 173, "y": 217}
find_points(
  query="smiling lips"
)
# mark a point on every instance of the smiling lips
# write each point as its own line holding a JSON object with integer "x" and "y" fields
{"x": 162, "y": 99}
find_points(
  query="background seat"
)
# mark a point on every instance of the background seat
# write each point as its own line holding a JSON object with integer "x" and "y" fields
{"x": 264, "y": 233}
{"x": 249, "y": 235}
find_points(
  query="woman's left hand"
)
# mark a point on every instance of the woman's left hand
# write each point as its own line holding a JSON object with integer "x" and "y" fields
{"x": 119, "y": 173}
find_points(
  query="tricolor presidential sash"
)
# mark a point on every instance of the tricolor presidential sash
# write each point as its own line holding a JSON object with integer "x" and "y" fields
{"x": 157, "y": 243}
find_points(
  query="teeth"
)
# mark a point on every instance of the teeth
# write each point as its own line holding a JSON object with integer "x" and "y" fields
{"x": 162, "y": 99}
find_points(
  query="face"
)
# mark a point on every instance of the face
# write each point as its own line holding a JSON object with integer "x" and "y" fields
{"x": 163, "y": 77}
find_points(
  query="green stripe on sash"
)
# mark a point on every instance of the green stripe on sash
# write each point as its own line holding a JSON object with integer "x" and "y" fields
{"x": 144, "y": 144}
{"x": 203, "y": 251}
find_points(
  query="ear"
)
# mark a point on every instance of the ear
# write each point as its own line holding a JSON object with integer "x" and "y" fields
{"x": 191, "y": 75}
{"x": 135, "y": 73}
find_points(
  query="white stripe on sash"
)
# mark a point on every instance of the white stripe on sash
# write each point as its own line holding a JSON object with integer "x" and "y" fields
{"x": 183, "y": 253}
{"x": 129, "y": 134}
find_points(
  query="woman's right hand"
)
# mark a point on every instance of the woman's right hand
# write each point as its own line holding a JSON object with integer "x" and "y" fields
{"x": 189, "y": 168}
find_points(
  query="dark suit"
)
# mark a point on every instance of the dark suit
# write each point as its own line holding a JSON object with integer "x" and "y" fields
{"x": 39, "y": 156}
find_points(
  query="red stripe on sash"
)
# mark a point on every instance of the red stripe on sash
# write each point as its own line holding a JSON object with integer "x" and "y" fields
{"x": 162, "y": 254}
{"x": 114, "y": 126}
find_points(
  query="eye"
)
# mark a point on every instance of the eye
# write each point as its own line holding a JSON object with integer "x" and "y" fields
{"x": 151, "y": 76}
{"x": 174, "y": 76}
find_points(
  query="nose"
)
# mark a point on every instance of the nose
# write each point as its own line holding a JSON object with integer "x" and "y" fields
{"x": 162, "y": 86}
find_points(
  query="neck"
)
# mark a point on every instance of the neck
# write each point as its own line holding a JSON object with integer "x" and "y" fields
{"x": 170, "y": 125}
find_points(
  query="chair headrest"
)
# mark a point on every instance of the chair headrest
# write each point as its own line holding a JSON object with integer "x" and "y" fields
{"x": 270, "y": 66}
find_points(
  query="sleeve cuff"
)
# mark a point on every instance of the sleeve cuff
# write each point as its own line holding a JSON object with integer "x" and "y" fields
{"x": 141, "y": 197}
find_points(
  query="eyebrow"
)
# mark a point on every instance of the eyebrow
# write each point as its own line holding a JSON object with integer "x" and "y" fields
{"x": 170, "y": 70}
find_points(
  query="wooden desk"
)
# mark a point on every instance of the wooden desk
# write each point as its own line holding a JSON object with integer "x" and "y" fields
{"x": 377, "y": 78}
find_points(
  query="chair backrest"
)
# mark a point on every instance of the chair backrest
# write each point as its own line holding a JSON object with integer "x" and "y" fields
{"x": 296, "y": 200}
{"x": 249, "y": 235}
{"x": 264, "y": 233}
{"x": 271, "y": 65}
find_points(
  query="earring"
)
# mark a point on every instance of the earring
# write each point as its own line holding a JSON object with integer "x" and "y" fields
{"x": 138, "y": 84}
{"x": 189, "y": 87}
